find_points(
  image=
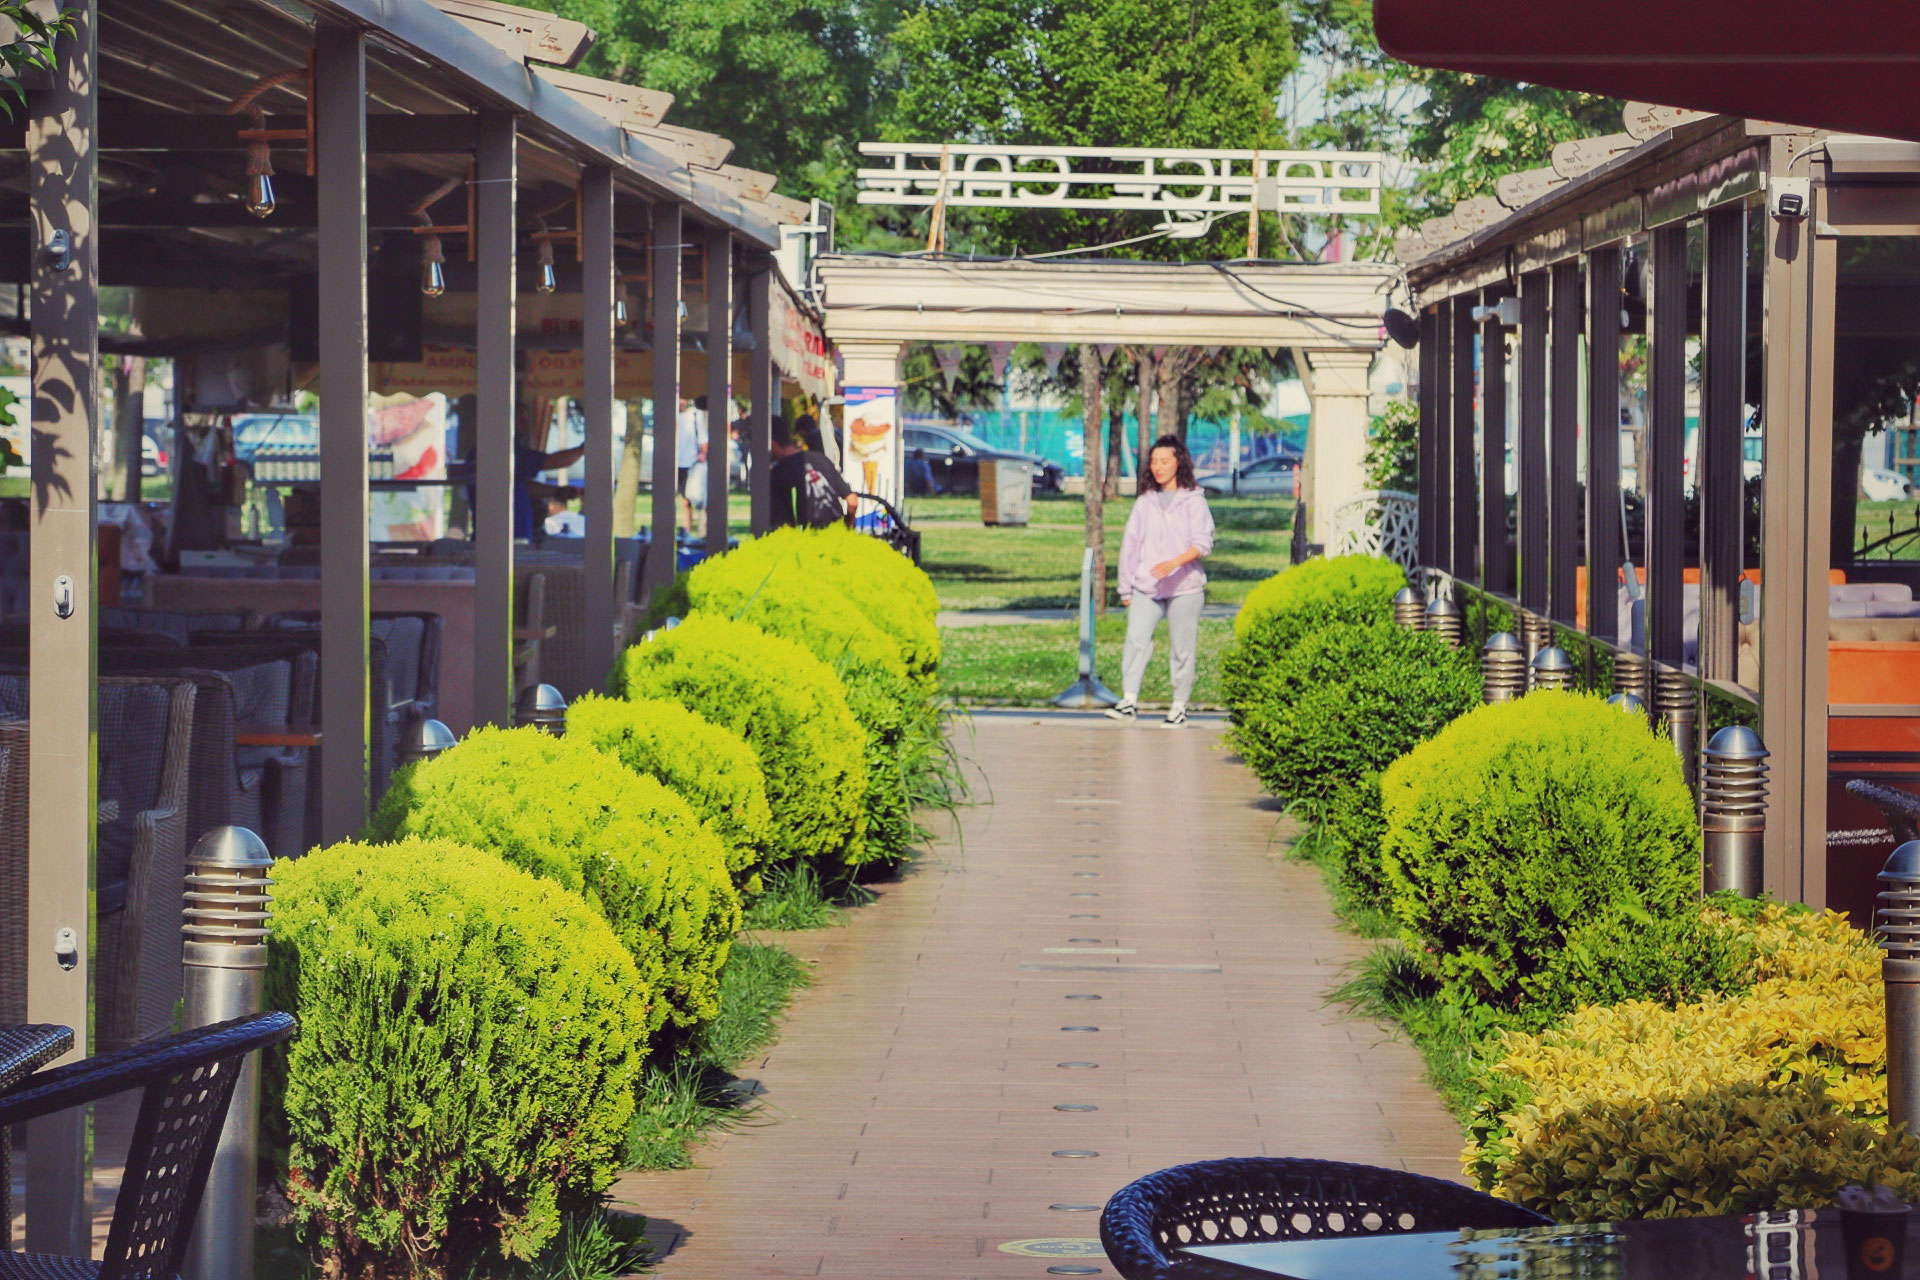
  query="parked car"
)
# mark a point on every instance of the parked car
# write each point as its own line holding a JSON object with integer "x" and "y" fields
{"x": 955, "y": 455}
{"x": 153, "y": 459}
{"x": 1878, "y": 484}
{"x": 1273, "y": 475}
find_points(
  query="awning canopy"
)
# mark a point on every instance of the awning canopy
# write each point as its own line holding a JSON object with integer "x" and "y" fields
{"x": 1849, "y": 65}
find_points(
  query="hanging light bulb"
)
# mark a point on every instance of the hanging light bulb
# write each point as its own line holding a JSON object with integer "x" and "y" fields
{"x": 259, "y": 197}
{"x": 620, "y": 317}
{"x": 548, "y": 281}
{"x": 260, "y": 194}
{"x": 433, "y": 275}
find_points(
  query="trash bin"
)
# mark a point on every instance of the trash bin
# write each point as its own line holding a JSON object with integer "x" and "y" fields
{"x": 1006, "y": 491}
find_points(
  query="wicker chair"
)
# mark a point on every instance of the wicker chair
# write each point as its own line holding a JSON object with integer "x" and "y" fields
{"x": 1147, "y": 1223}
{"x": 186, "y": 1083}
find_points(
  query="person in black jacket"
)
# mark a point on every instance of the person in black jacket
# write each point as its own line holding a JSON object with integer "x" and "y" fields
{"x": 808, "y": 490}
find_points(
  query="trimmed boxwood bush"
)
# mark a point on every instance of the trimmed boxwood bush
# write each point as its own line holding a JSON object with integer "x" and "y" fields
{"x": 898, "y": 596}
{"x": 1356, "y": 828}
{"x": 1522, "y": 822}
{"x": 577, "y": 816}
{"x": 711, "y": 768}
{"x": 1296, "y": 602}
{"x": 470, "y": 1045}
{"x": 1347, "y": 700}
{"x": 788, "y": 706}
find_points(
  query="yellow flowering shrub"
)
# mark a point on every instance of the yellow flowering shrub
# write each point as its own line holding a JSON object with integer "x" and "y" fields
{"x": 1715, "y": 1106}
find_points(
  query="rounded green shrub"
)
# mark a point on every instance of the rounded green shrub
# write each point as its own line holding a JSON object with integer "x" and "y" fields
{"x": 470, "y": 1045}
{"x": 1297, "y": 602}
{"x": 1347, "y": 700}
{"x": 579, "y": 817}
{"x": 767, "y": 583}
{"x": 1356, "y": 828}
{"x": 1522, "y": 822}
{"x": 788, "y": 706}
{"x": 899, "y": 596}
{"x": 711, "y": 768}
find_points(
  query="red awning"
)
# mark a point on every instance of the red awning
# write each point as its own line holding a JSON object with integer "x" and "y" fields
{"x": 1848, "y": 65}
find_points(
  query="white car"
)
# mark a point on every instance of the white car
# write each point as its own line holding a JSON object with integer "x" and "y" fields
{"x": 1878, "y": 484}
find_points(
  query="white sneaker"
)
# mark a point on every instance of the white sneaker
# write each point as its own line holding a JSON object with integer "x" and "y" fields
{"x": 1176, "y": 718}
{"x": 1125, "y": 711}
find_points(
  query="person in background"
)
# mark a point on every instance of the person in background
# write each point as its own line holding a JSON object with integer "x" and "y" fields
{"x": 1169, "y": 531}
{"x": 808, "y": 490}
{"x": 920, "y": 481}
{"x": 689, "y": 446}
{"x": 806, "y": 430}
{"x": 530, "y": 495}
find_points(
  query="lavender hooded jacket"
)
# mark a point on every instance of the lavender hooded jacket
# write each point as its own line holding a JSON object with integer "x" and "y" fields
{"x": 1156, "y": 533}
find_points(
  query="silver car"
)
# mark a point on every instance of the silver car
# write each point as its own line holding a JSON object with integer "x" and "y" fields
{"x": 1275, "y": 475}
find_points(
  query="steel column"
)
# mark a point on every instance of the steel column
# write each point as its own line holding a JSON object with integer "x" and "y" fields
{"x": 63, "y": 191}
{"x": 1462, "y": 542}
{"x": 1428, "y": 448}
{"x": 761, "y": 390}
{"x": 340, "y": 137}
{"x": 496, "y": 282}
{"x": 666, "y": 393}
{"x": 719, "y": 381}
{"x": 1662, "y": 489}
{"x": 1563, "y": 446}
{"x": 596, "y": 403}
{"x": 1530, "y": 449}
{"x": 1443, "y": 436}
{"x": 1722, "y": 504}
{"x": 1496, "y": 557}
{"x": 1603, "y": 442}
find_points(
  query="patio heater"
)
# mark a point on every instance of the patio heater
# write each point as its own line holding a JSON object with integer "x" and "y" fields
{"x": 1673, "y": 700}
{"x": 225, "y": 953}
{"x": 425, "y": 740}
{"x": 1409, "y": 608}
{"x": 1443, "y": 616}
{"x": 1552, "y": 668}
{"x": 1733, "y": 811}
{"x": 1896, "y": 923}
{"x": 543, "y": 707}
{"x": 1503, "y": 668}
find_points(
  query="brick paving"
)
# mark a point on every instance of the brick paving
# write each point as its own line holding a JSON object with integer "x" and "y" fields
{"x": 911, "y": 1122}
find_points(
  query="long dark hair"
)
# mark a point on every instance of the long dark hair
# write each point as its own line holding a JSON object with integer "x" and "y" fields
{"x": 1182, "y": 479}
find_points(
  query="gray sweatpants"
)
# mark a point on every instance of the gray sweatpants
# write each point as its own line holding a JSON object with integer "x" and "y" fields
{"x": 1182, "y": 613}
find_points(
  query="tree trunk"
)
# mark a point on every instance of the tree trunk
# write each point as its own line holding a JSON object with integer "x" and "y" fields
{"x": 1091, "y": 450}
{"x": 626, "y": 489}
{"x": 129, "y": 401}
{"x": 1146, "y": 374}
{"x": 1116, "y": 435}
{"x": 1173, "y": 422}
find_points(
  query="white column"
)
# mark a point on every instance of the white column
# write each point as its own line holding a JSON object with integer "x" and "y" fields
{"x": 1337, "y": 436}
{"x": 873, "y": 459}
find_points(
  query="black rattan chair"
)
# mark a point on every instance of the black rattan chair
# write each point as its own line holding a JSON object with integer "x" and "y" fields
{"x": 1147, "y": 1223}
{"x": 186, "y": 1082}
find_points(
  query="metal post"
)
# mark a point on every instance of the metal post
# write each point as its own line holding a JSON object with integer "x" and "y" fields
{"x": 1896, "y": 922}
{"x": 1503, "y": 668}
{"x": 1410, "y": 608}
{"x": 1563, "y": 429}
{"x": 496, "y": 160}
{"x": 543, "y": 707}
{"x": 1428, "y": 453}
{"x": 1603, "y": 447}
{"x": 1496, "y": 554}
{"x": 1443, "y": 617}
{"x": 1552, "y": 669}
{"x": 596, "y": 403}
{"x": 660, "y": 565}
{"x": 1463, "y": 542}
{"x": 63, "y": 199}
{"x": 761, "y": 391}
{"x": 1673, "y": 700}
{"x": 227, "y": 915}
{"x": 1733, "y": 811}
{"x": 1662, "y": 487}
{"x": 1530, "y": 447}
{"x": 719, "y": 381}
{"x": 1086, "y": 693}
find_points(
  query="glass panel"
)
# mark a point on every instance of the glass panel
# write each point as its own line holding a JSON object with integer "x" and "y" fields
{"x": 1876, "y": 376}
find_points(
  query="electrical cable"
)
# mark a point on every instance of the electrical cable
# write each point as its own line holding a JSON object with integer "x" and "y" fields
{"x": 1296, "y": 307}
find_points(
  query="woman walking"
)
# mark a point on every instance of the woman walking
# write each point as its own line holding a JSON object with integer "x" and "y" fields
{"x": 1168, "y": 533}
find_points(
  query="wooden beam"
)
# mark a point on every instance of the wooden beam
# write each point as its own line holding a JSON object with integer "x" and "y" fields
{"x": 719, "y": 381}
{"x": 1563, "y": 445}
{"x": 596, "y": 403}
{"x": 495, "y": 439}
{"x": 666, "y": 393}
{"x": 1603, "y": 442}
{"x": 762, "y": 390}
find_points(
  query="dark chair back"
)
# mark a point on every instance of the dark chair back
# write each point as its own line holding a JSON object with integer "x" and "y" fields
{"x": 1148, "y": 1223}
{"x": 186, "y": 1082}
{"x": 179, "y": 624}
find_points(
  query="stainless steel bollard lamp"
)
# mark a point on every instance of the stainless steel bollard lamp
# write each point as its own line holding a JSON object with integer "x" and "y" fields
{"x": 228, "y": 909}
{"x": 427, "y": 739}
{"x": 1629, "y": 703}
{"x": 1630, "y": 675}
{"x": 1503, "y": 668}
{"x": 1896, "y": 923}
{"x": 1673, "y": 700}
{"x": 1733, "y": 811}
{"x": 1409, "y": 608}
{"x": 1552, "y": 668}
{"x": 543, "y": 707}
{"x": 1536, "y": 633}
{"x": 1443, "y": 616}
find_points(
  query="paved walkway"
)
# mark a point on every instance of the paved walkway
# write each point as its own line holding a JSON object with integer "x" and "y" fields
{"x": 1001, "y": 617}
{"x": 1107, "y": 969}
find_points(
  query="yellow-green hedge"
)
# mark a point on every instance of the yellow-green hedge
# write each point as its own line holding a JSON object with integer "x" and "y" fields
{"x": 711, "y": 768}
{"x": 575, "y": 815}
{"x": 897, "y": 594}
{"x": 789, "y": 707}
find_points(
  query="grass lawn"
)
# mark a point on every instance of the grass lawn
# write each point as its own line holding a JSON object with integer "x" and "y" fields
{"x": 1038, "y": 567}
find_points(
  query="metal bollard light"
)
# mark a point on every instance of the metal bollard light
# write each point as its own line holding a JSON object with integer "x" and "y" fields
{"x": 1443, "y": 617}
{"x": 1409, "y": 609}
{"x": 1673, "y": 701}
{"x": 426, "y": 740}
{"x": 1629, "y": 703}
{"x": 1630, "y": 675}
{"x": 1552, "y": 668}
{"x": 227, "y": 914}
{"x": 543, "y": 707}
{"x": 1896, "y": 922}
{"x": 1503, "y": 668}
{"x": 1536, "y": 633}
{"x": 1733, "y": 811}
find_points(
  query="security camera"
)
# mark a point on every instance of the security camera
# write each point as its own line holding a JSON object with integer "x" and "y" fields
{"x": 1790, "y": 197}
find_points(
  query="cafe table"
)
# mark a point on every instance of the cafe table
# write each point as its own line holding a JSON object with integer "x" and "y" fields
{"x": 1789, "y": 1245}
